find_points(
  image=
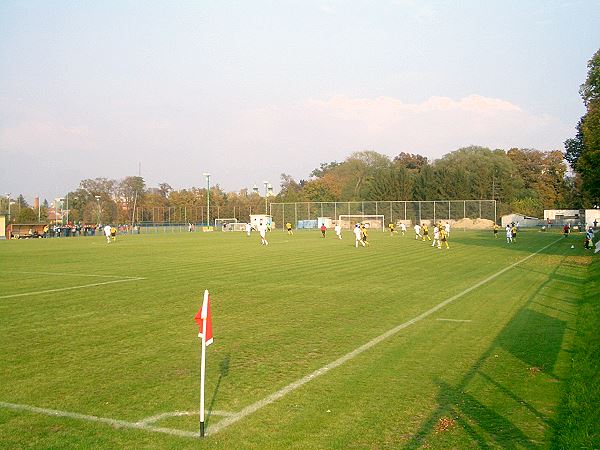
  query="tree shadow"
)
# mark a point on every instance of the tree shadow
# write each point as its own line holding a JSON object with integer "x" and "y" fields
{"x": 532, "y": 337}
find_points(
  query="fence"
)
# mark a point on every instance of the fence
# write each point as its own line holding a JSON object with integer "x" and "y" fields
{"x": 413, "y": 211}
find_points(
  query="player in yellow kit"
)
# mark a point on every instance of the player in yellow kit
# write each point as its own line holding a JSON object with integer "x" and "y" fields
{"x": 364, "y": 235}
{"x": 288, "y": 227}
{"x": 426, "y": 233}
{"x": 443, "y": 238}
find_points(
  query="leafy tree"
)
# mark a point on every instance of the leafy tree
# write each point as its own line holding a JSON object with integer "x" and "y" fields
{"x": 390, "y": 183}
{"x": 411, "y": 161}
{"x": 26, "y": 215}
{"x": 323, "y": 169}
{"x": 290, "y": 189}
{"x": 583, "y": 151}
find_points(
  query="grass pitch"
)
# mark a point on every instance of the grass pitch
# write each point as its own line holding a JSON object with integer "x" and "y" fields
{"x": 101, "y": 338}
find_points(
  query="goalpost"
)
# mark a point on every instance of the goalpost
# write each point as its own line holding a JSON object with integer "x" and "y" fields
{"x": 222, "y": 224}
{"x": 235, "y": 226}
{"x": 372, "y": 221}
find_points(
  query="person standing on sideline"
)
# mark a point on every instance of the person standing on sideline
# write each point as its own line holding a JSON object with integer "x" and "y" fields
{"x": 338, "y": 230}
{"x": 508, "y": 234}
{"x": 323, "y": 229}
{"x": 288, "y": 226}
{"x": 357, "y": 236}
{"x": 107, "y": 233}
{"x": 262, "y": 230}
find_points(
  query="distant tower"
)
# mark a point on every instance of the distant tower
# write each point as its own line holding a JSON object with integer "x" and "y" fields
{"x": 36, "y": 203}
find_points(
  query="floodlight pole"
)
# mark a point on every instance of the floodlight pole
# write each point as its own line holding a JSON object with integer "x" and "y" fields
{"x": 207, "y": 175}
{"x": 98, "y": 203}
{"x": 8, "y": 197}
{"x": 266, "y": 183}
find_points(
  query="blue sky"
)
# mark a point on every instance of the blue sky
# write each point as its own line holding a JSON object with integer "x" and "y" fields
{"x": 247, "y": 90}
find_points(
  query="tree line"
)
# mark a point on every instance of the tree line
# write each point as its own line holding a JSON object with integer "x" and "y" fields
{"x": 522, "y": 180}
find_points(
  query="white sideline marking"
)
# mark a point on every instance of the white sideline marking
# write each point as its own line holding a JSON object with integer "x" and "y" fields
{"x": 347, "y": 357}
{"x": 166, "y": 415}
{"x": 454, "y": 320}
{"x": 106, "y": 420}
{"x": 48, "y": 291}
{"x": 68, "y": 274}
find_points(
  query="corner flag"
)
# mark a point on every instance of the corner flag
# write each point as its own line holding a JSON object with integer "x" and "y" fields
{"x": 204, "y": 320}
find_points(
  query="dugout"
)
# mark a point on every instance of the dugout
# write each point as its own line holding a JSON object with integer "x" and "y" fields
{"x": 25, "y": 230}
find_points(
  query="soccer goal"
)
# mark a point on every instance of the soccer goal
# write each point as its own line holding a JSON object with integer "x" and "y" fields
{"x": 371, "y": 221}
{"x": 235, "y": 226}
{"x": 222, "y": 224}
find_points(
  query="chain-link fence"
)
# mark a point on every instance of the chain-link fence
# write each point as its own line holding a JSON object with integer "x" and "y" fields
{"x": 394, "y": 211}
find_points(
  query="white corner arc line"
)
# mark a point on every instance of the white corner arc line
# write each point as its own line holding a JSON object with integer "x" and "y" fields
{"x": 250, "y": 409}
{"x": 49, "y": 291}
{"x": 158, "y": 417}
{"x": 106, "y": 420}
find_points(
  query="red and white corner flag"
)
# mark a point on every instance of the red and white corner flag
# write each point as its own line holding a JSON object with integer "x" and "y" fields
{"x": 204, "y": 321}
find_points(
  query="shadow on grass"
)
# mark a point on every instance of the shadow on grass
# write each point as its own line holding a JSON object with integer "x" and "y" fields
{"x": 223, "y": 372}
{"x": 532, "y": 337}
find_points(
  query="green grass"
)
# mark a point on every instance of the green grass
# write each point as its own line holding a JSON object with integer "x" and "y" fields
{"x": 129, "y": 350}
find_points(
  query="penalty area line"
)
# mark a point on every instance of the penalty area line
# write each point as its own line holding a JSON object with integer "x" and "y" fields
{"x": 250, "y": 409}
{"x": 50, "y": 291}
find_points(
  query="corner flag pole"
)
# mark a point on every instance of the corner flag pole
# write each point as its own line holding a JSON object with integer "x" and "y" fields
{"x": 202, "y": 374}
{"x": 204, "y": 320}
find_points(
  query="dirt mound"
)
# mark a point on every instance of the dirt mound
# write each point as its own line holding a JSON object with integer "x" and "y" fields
{"x": 473, "y": 224}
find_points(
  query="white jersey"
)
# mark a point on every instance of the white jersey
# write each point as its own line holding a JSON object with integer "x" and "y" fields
{"x": 508, "y": 232}
{"x": 262, "y": 229}
{"x": 402, "y": 227}
{"x": 436, "y": 233}
{"x": 338, "y": 229}
{"x": 417, "y": 229}
{"x": 107, "y": 230}
{"x": 447, "y": 228}
{"x": 357, "y": 233}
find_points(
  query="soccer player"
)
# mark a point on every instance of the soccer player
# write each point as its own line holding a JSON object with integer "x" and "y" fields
{"x": 338, "y": 230}
{"x": 496, "y": 230}
{"x": 566, "y": 230}
{"x": 107, "y": 233}
{"x": 508, "y": 234}
{"x": 288, "y": 226}
{"x": 262, "y": 229}
{"x": 447, "y": 228}
{"x": 357, "y": 236}
{"x": 436, "y": 236}
{"x": 248, "y": 229}
{"x": 417, "y": 231}
{"x": 403, "y": 228}
{"x": 426, "y": 233}
{"x": 113, "y": 233}
{"x": 363, "y": 232}
{"x": 323, "y": 229}
{"x": 392, "y": 229}
{"x": 513, "y": 232}
{"x": 444, "y": 239}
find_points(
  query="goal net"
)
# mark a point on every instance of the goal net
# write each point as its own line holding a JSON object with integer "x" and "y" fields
{"x": 235, "y": 226}
{"x": 371, "y": 221}
{"x": 222, "y": 224}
